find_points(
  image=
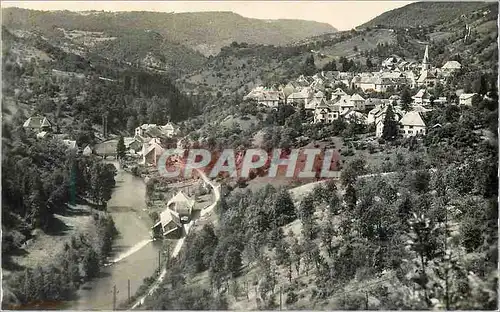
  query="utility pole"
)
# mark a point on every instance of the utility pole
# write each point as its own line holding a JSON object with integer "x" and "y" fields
{"x": 281, "y": 289}
{"x": 159, "y": 261}
{"x": 105, "y": 125}
{"x": 256, "y": 297}
{"x": 366, "y": 302}
{"x": 114, "y": 297}
{"x": 128, "y": 288}
{"x": 246, "y": 287}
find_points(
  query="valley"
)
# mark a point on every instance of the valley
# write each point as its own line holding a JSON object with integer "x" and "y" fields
{"x": 401, "y": 110}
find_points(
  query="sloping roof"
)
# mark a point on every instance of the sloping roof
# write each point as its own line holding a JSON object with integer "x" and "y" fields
{"x": 351, "y": 114}
{"x": 316, "y": 102}
{"x": 37, "y": 122}
{"x": 412, "y": 119}
{"x": 335, "y": 108}
{"x": 269, "y": 96}
{"x": 357, "y": 97}
{"x": 374, "y": 111}
{"x": 319, "y": 94}
{"x": 154, "y": 132}
{"x": 345, "y": 101}
{"x": 339, "y": 91}
{"x": 465, "y": 96}
{"x": 71, "y": 144}
{"x": 452, "y": 65}
{"x": 303, "y": 94}
{"x": 391, "y": 75}
{"x": 169, "y": 127}
{"x": 146, "y": 126}
{"x": 373, "y": 102}
{"x": 42, "y": 134}
{"x": 168, "y": 216}
{"x": 181, "y": 198}
{"x": 128, "y": 140}
{"x": 420, "y": 94}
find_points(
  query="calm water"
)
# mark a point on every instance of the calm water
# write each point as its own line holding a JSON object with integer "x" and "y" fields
{"x": 134, "y": 256}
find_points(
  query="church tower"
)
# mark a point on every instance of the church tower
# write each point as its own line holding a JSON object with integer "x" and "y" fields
{"x": 425, "y": 61}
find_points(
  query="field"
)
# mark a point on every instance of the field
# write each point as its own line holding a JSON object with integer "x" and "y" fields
{"x": 363, "y": 42}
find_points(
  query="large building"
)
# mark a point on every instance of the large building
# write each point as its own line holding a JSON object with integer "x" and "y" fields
{"x": 38, "y": 124}
{"x": 412, "y": 124}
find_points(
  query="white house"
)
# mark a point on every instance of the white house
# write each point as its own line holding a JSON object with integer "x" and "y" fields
{"x": 358, "y": 101}
{"x": 337, "y": 93}
{"x": 379, "y": 128}
{"x": 326, "y": 113}
{"x": 345, "y": 103}
{"x": 38, "y": 124}
{"x": 379, "y": 120}
{"x": 151, "y": 151}
{"x": 466, "y": 98}
{"x": 70, "y": 144}
{"x": 422, "y": 97}
{"x": 354, "y": 116}
{"x": 87, "y": 151}
{"x": 371, "y": 103}
{"x": 374, "y": 114}
{"x": 141, "y": 129}
{"x": 169, "y": 129}
{"x": 451, "y": 67}
{"x": 302, "y": 97}
{"x": 412, "y": 124}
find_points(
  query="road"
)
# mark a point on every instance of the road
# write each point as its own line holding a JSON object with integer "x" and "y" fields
{"x": 180, "y": 242}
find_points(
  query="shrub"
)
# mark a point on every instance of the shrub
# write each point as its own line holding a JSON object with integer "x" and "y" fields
{"x": 291, "y": 297}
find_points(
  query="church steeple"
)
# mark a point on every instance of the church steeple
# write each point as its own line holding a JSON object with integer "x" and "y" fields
{"x": 425, "y": 61}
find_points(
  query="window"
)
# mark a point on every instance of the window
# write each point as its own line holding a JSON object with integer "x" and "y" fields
{"x": 410, "y": 132}
{"x": 411, "y": 127}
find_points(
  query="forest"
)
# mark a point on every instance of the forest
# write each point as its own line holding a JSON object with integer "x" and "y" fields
{"x": 428, "y": 231}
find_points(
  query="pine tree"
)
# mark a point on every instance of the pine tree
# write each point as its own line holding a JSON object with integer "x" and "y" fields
{"x": 390, "y": 130}
{"x": 91, "y": 264}
{"x": 406, "y": 99}
{"x": 309, "y": 68}
{"x": 306, "y": 208}
{"x": 29, "y": 286}
{"x": 120, "y": 148}
{"x": 284, "y": 209}
{"x": 330, "y": 66}
{"x": 369, "y": 63}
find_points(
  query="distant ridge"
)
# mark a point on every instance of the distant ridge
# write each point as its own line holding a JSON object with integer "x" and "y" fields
{"x": 205, "y": 32}
{"x": 425, "y": 13}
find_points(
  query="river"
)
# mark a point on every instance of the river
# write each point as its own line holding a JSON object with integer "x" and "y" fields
{"x": 133, "y": 256}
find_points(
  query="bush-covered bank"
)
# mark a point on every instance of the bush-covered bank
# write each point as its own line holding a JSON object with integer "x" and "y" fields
{"x": 81, "y": 260}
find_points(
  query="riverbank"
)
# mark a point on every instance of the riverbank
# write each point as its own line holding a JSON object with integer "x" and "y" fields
{"x": 54, "y": 265}
{"x": 134, "y": 256}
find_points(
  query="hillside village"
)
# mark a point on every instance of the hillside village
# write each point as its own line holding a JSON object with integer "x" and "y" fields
{"x": 323, "y": 95}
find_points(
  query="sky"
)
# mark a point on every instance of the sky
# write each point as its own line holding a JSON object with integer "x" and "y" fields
{"x": 343, "y": 15}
